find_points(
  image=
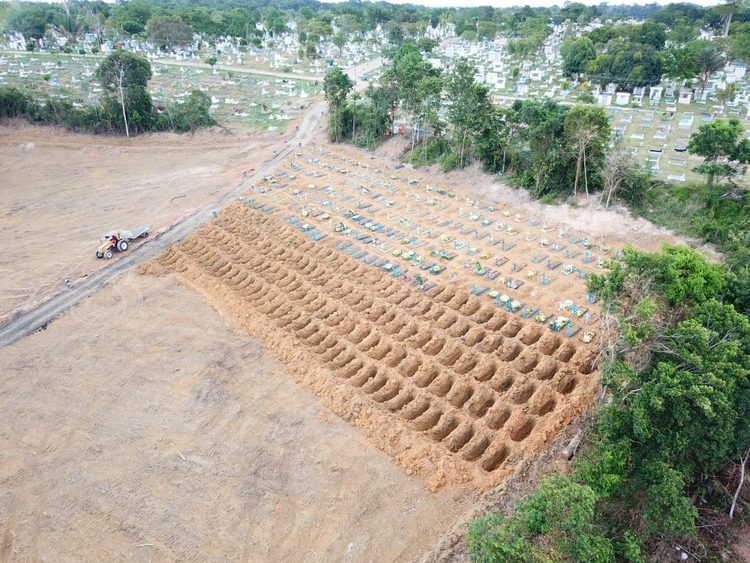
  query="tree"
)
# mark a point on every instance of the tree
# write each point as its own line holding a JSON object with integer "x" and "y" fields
{"x": 578, "y": 57}
{"x": 677, "y": 371}
{"x": 682, "y": 32}
{"x": 407, "y": 77}
{"x": 28, "y": 19}
{"x": 727, "y": 11}
{"x": 168, "y": 31}
{"x": 339, "y": 40}
{"x": 547, "y": 166}
{"x": 627, "y": 64}
{"x": 211, "y": 61}
{"x": 274, "y": 22}
{"x": 189, "y": 116}
{"x": 586, "y": 127}
{"x": 127, "y": 75}
{"x": 426, "y": 45}
{"x": 649, "y": 33}
{"x": 336, "y": 86}
{"x": 728, "y": 93}
{"x": 132, "y": 16}
{"x": 709, "y": 61}
{"x": 621, "y": 175}
{"x": 682, "y": 62}
{"x": 739, "y": 49}
{"x": 723, "y": 148}
{"x": 556, "y": 523}
{"x": 469, "y": 107}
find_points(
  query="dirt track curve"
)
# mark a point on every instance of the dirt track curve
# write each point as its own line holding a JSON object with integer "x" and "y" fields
{"x": 38, "y": 318}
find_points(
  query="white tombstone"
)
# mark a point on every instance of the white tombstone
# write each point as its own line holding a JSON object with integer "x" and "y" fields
{"x": 622, "y": 98}
{"x": 686, "y": 97}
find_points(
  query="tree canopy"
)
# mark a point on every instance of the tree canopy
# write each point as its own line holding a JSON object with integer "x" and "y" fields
{"x": 723, "y": 147}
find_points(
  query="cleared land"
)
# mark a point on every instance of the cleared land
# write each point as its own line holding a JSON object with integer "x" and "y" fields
{"x": 147, "y": 423}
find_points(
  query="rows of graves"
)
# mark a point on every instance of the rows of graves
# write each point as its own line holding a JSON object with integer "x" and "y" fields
{"x": 237, "y": 98}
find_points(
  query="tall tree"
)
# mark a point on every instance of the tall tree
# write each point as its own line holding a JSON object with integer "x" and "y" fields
{"x": 723, "y": 148}
{"x": 126, "y": 75}
{"x": 168, "y": 32}
{"x": 469, "y": 108}
{"x": 578, "y": 57}
{"x": 727, "y": 11}
{"x": 339, "y": 40}
{"x": 587, "y": 129}
{"x": 709, "y": 60}
{"x": 336, "y": 86}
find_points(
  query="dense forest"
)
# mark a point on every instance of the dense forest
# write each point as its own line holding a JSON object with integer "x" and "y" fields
{"x": 663, "y": 462}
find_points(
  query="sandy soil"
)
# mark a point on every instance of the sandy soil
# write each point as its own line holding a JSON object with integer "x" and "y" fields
{"x": 148, "y": 424}
{"x": 62, "y": 191}
{"x": 142, "y": 426}
{"x": 456, "y": 388}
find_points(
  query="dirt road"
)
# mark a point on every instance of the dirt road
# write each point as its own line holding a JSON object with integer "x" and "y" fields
{"x": 39, "y": 317}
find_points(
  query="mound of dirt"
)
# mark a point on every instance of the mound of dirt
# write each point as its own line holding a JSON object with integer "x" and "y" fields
{"x": 456, "y": 389}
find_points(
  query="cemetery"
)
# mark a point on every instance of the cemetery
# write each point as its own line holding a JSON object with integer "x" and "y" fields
{"x": 328, "y": 350}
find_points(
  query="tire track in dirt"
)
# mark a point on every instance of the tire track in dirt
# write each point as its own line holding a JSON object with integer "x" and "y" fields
{"x": 454, "y": 388}
{"x": 38, "y": 318}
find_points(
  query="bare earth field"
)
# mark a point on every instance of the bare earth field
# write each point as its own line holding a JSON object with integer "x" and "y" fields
{"x": 169, "y": 416}
{"x": 142, "y": 426}
{"x": 62, "y": 191}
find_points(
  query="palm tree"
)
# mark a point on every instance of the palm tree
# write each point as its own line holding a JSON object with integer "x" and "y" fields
{"x": 727, "y": 11}
{"x": 71, "y": 28}
{"x": 709, "y": 61}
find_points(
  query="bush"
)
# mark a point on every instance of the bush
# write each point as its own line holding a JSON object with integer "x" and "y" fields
{"x": 557, "y": 523}
{"x": 67, "y": 49}
{"x": 194, "y": 113}
{"x": 448, "y": 162}
{"x": 14, "y": 102}
{"x": 428, "y": 153}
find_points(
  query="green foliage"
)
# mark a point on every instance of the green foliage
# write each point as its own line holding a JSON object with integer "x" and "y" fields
{"x": 30, "y": 19}
{"x": 557, "y": 523}
{"x": 128, "y": 76}
{"x": 168, "y": 32}
{"x": 191, "y": 115}
{"x": 14, "y": 102}
{"x": 336, "y": 86}
{"x": 627, "y": 64}
{"x": 678, "y": 376}
{"x": 123, "y": 67}
{"x": 578, "y": 57}
{"x": 649, "y": 33}
{"x": 448, "y": 161}
{"x": 723, "y": 147}
{"x": 587, "y": 130}
{"x": 427, "y": 153}
{"x": 426, "y": 45}
{"x": 470, "y": 107}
